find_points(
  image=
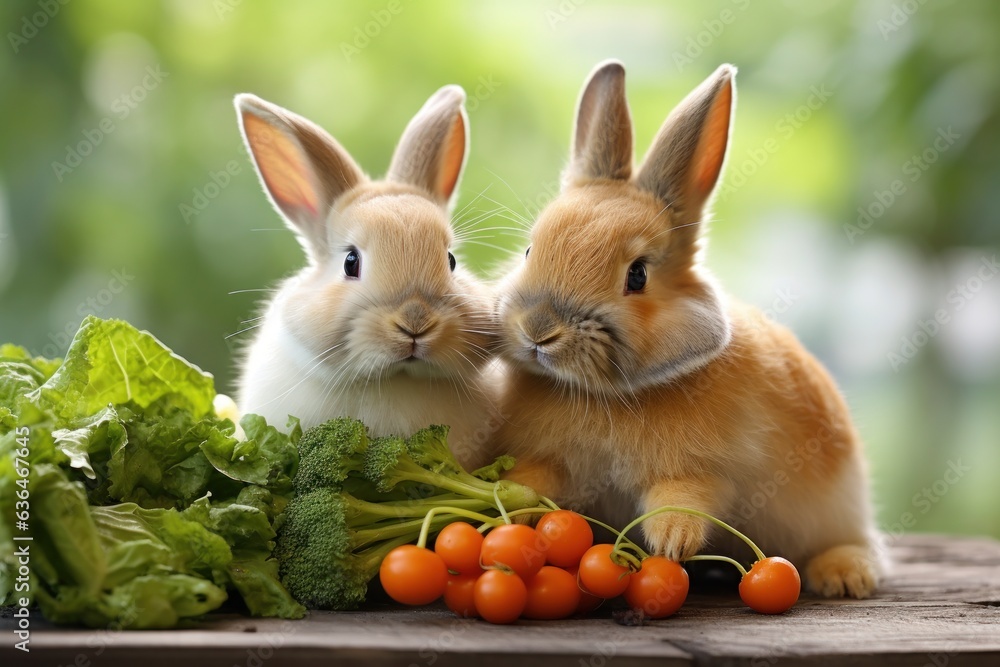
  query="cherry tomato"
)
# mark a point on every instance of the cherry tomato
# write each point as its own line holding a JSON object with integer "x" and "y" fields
{"x": 459, "y": 545}
{"x": 413, "y": 575}
{"x": 459, "y": 594}
{"x": 659, "y": 588}
{"x": 588, "y": 601}
{"x": 566, "y": 536}
{"x": 600, "y": 575}
{"x": 771, "y": 586}
{"x": 552, "y": 594}
{"x": 500, "y": 597}
{"x": 515, "y": 545}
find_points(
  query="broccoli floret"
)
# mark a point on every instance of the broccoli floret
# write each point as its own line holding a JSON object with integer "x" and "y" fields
{"x": 429, "y": 448}
{"x": 329, "y": 453}
{"x": 314, "y": 542}
{"x": 492, "y": 472}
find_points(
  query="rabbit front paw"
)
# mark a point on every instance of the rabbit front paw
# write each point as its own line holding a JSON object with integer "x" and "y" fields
{"x": 675, "y": 536}
{"x": 848, "y": 570}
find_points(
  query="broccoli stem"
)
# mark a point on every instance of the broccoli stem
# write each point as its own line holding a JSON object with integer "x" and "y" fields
{"x": 362, "y": 512}
{"x": 369, "y": 560}
{"x": 511, "y": 494}
{"x": 402, "y": 529}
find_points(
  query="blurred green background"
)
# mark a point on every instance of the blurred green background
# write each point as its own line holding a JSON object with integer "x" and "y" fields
{"x": 860, "y": 205}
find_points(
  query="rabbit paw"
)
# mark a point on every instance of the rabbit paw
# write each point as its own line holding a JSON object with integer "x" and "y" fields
{"x": 848, "y": 570}
{"x": 675, "y": 536}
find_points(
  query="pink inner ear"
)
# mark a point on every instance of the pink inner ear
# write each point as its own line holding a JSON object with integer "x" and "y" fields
{"x": 451, "y": 159}
{"x": 283, "y": 167}
{"x": 712, "y": 145}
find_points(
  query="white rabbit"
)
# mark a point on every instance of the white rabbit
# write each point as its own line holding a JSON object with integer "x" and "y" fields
{"x": 381, "y": 325}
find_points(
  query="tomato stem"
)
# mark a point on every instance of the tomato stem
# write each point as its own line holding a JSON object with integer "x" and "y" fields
{"x": 642, "y": 555}
{"x": 621, "y": 536}
{"x": 425, "y": 528}
{"x": 634, "y": 564}
{"x": 530, "y": 510}
{"x": 692, "y": 512}
{"x": 724, "y": 559}
{"x": 549, "y": 503}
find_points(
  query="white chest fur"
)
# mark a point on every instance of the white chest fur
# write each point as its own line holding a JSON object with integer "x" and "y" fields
{"x": 282, "y": 377}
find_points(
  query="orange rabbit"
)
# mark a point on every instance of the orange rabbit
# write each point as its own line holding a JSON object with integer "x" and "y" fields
{"x": 632, "y": 382}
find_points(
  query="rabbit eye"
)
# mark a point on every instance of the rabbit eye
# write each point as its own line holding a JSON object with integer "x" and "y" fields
{"x": 352, "y": 264}
{"x": 636, "y": 279}
{"x": 527, "y": 252}
{"x": 451, "y": 261}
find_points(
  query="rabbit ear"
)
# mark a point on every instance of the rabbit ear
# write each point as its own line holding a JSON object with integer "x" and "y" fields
{"x": 431, "y": 153}
{"x": 686, "y": 158}
{"x": 602, "y": 138}
{"x": 303, "y": 169}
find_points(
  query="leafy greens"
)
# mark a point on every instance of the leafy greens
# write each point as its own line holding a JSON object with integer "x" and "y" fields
{"x": 144, "y": 507}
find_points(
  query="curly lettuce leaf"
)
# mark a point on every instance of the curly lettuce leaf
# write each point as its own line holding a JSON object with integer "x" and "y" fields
{"x": 160, "y": 463}
{"x": 267, "y": 457}
{"x": 96, "y": 435}
{"x": 123, "y": 564}
{"x": 246, "y": 525}
{"x": 112, "y": 362}
{"x": 20, "y": 374}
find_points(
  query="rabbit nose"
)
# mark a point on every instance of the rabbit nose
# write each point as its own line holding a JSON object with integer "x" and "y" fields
{"x": 546, "y": 340}
{"x": 414, "y": 320}
{"x": 540, "y": 329}
{"x": 412, "y": 331}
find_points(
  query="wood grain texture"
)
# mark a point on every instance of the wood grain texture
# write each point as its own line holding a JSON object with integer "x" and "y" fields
{"x": 940, "y": 607}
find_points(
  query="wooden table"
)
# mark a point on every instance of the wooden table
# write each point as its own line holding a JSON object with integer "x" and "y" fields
{"x": 940, "y": 607}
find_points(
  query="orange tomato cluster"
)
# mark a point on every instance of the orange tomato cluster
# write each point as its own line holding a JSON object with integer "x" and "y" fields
{"x": 551, "y": 571}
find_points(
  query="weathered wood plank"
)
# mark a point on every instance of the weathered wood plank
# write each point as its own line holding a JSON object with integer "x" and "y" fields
{"x": 940, "y": 606}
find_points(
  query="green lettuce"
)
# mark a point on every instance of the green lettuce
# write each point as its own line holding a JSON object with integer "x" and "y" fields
{"x": 110, "y": 361}
{"x": 146, "y": 508}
